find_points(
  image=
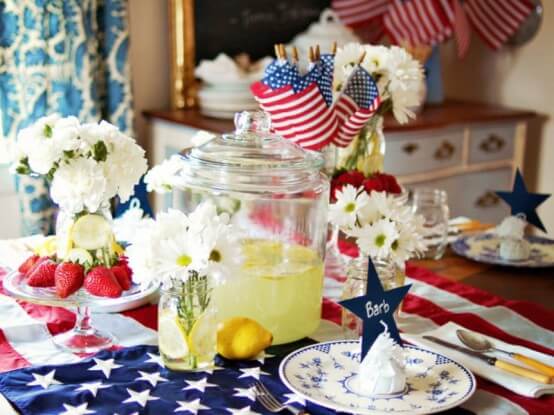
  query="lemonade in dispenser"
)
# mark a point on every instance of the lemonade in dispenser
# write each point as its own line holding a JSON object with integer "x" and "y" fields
{"x": 277, "y": 200}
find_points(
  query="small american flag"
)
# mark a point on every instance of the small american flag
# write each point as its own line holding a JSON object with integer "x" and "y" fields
{"x": 325, "y": 82}
{"x": 495, "y": 21}
{"x": 359, "y": 12}
{"x": 302, "y": 117}
{"x": 357, "y": 103}
{"x": 419, "y": 22}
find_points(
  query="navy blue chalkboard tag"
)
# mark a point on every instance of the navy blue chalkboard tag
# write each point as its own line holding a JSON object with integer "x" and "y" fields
{"x": 138, "y": 200}
{"x": 376, "y": 306}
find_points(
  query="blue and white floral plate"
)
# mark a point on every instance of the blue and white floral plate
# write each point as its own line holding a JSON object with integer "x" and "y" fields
{"x": 326, "y": 374}
{"x": 483, "y": 247}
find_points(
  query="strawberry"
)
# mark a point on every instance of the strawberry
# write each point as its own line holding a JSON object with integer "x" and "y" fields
{"x": 42, "y": 274}
{"x": 69, "y": 278}
{"x": 100, "y": 281}
{"x": 123, "y": 274}
{"x": 28, "y": 264}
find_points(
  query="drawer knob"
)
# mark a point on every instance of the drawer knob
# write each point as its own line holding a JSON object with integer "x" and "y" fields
{"x": 492, "y": 144}
{"x": 445, "y": 151}
{"x": 488, "y": 199}
{"x": 410, "y": 148}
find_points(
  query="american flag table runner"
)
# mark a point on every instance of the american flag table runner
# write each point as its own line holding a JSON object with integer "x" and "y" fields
{"x": 40, "y": 379}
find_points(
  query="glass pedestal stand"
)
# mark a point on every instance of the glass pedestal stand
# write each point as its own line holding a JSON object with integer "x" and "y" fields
{"x": 83, "y": 337}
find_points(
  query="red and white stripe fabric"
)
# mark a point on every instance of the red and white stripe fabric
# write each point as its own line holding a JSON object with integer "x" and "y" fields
{"x": 497, "y": 20}
{"x": 419, "y": 22}
{"x": 359, "y": 12}
{"x": 303, "y": 117}
{"x": 462, "y": 29}
{"x": 26, "y": 330}
{"x": 351, "y": 119}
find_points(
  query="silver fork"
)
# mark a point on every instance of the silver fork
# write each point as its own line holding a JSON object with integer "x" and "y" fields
{"x": 271, "y": 403}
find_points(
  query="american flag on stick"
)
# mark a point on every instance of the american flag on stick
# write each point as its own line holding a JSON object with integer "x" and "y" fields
{"x": 356, "y": 105}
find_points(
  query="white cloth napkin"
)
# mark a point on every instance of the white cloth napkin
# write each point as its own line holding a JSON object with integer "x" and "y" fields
{"x": 517, "y": 384}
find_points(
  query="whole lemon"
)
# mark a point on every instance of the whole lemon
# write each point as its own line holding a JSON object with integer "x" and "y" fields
{"x": 242, "y": 338}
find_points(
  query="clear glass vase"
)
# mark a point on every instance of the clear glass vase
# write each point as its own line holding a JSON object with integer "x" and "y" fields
{"x": 366, "y": 153}
{"x": 187, "y": 323}
{"x": 391, "y": 276}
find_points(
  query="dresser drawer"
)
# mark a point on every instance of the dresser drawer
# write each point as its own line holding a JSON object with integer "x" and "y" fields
{"x": 423, "y": 151}
{"x": 472, "y": 194}
{"x": 491, "y": 142}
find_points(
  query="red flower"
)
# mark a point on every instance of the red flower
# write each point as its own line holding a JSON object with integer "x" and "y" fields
{"x": 354, "y": 178}
{"x": 381, "y": 182}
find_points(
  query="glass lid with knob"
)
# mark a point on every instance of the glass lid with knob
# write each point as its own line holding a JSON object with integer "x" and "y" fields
{"x": 251, "y": 160}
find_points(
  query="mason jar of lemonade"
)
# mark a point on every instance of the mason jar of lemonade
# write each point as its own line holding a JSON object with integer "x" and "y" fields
{"x": 276, "y": 198}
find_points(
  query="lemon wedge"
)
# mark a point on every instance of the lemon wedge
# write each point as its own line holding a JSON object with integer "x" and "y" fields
{"x": 201, "y": 339}
{"x": 91, "y": 232}
{"x": 172, "y": 338}
{"x": 79, "y": 256}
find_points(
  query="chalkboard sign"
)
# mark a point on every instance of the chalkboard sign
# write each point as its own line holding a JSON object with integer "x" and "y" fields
{"x": 251, "y": 26}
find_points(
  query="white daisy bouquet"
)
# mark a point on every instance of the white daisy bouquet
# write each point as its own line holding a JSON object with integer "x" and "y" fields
{"x": 177, "y": 249}
{"x": 87, "y": 164}
{"x": 384, "y": 228}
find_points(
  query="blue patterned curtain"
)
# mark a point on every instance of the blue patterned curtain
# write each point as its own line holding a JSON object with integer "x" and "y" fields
{"x": 64, "y": 56}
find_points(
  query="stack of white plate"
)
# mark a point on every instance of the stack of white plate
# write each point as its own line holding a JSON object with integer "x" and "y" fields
{"x": 223, "y": 100}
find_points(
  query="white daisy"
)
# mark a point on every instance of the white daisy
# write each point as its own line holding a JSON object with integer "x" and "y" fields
{"x": 375, "y": 59}
{"x": 344, "y": 211}
{"x": 225, "y": 251}
{"x": 376, "y": 240}
{"x": 177, "y": 256}
{"x": 346, "y": 59}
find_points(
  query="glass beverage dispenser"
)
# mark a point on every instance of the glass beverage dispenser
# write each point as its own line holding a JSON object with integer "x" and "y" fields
{"x": 277, "y": 199}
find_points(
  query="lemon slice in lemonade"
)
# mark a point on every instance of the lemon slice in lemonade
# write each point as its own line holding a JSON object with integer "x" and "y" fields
{"x": 172, "y": 338}
{"x": 201, "y": 339}
{"x": 91, "y": 232}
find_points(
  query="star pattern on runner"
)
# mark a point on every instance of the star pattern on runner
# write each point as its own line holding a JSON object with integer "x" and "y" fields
{"x": 294, "y": 398}
{"x": 199, "y": 385}
{"x": 247, "y": 410}
{"x": 105, "y": 366}
{"x": 141, "y": 398}
{"x": 155, "y": 358}
{"x": 44, "y": 381}
{"x": 77, "y": 410}
{"x": 245, "y": 393}
{"x": 92, "y": 387}
{"x": 254, "y": 372}
{"x": 152, "y": 378}
{"x": 191, "y": 407}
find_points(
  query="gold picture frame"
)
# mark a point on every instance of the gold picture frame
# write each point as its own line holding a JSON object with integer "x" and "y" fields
{"x": 182, "y": 46}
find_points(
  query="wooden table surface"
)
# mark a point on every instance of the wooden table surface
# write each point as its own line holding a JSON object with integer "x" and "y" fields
{"x": 536, "y": 285}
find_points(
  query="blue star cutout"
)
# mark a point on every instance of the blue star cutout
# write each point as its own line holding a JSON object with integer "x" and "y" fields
{"x": 375, "y": 306}
{"x": 523, "y": 202}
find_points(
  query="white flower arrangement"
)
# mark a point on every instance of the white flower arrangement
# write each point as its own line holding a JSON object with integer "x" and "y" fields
{"x": 87, "y": 164}
{"x": 175, "y": 247}
{"x": 398, "y": 75}
{"x": 383, "y": 227}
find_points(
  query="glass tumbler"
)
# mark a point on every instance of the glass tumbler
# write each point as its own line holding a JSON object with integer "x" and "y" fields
{"x": 432, "y": 204}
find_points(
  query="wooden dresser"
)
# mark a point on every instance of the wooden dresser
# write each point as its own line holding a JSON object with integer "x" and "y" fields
{"x": 467, "y": 149}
